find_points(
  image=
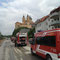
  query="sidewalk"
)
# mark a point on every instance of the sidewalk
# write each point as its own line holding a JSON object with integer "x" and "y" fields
{"x": 1, "y": 49}
{"x": 1, "y": 41}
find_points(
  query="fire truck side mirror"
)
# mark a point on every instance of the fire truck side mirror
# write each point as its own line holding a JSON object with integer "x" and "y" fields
{"x": 31, "y": 42}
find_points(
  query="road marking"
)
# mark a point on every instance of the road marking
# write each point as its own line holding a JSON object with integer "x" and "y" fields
{"x": 16, "y": 57}
{"x": 27, "y": 48}
{"x": 19, "y": 51}
{"x": 16, "y": 50}
{"x": 28, "y": 52}
{"x": 21, "y": 58}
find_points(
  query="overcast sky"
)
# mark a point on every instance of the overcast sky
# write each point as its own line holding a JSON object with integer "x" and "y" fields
{"x": 12, "y": 11}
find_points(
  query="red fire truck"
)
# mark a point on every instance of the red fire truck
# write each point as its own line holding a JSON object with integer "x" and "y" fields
{"x": 47, "y": 44}
{"x": 21, "y": 39}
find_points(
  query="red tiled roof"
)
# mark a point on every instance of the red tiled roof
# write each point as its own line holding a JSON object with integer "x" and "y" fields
{"x": 55, "y": 10}
{"x": 43, "y": 19}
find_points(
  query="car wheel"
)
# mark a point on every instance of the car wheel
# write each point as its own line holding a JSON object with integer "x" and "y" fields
{"x": 48, "y": 57}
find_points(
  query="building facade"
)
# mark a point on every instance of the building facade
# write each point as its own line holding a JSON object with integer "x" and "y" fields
{"x": 42, "y": 24}
{"x": 25, "y": 22}
{"x": 49, "y": 22}
{"x": 54, "y": 18}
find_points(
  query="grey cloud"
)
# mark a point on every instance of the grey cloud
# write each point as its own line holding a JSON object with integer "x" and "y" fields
{"x": 16, "y": 9}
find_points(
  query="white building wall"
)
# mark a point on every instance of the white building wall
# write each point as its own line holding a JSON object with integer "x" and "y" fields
{"x": 59, "y": 15}
{"x": 43, "y": 25}
{"x": 54, "y": 20}
{"x": 46, "y": 25}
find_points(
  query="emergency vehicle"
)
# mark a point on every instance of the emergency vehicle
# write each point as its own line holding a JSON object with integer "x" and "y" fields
{"x": 47, "y": 44}
{"x": 21, "y": 39}
{"x": 13, "y": 39}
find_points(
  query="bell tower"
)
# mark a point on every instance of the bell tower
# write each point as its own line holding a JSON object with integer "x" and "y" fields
{"x": 23, "y": 19}
{"x": 28, "y": 20}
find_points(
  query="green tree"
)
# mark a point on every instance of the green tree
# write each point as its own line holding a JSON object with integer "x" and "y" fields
{"x": 1, "y": 36}
{"x": 17, "y": 30}
{"x": 31, "y": 33}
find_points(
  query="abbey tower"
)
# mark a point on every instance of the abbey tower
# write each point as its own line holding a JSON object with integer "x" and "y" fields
{"x": 26, "y": 22}
{"x": 23, "y": 20}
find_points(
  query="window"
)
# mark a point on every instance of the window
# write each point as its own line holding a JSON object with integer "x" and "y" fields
{"x": 52, "y": 27}
{"x": 49, "y": 25}
{"x": 55, "y": 19}
{"x": 58, "y": 26}
{"x": 47, "y": 40}
{"x": 58, "y": 19}
{"x": 49, "y": 19}
{"x": 52, "y": 20}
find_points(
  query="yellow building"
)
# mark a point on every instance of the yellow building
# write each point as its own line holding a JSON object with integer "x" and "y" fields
{"x": 25, "y": 22}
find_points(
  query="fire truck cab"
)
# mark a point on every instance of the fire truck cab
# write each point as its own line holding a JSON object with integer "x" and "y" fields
{"x": 22, "y": 39}
{"x": 47, "y": 44}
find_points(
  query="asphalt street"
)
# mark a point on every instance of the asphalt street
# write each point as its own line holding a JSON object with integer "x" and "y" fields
{"x": 9, "y": 52}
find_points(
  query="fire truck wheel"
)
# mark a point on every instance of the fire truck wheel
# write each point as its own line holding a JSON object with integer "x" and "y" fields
{"x": 25, "y": 44}
{"x": 32, "y": 52}
{"x": 48, "y": 57}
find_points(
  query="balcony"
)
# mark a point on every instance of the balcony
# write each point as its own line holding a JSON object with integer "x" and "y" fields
{"x": 55, "y": 14}
{"x": 55, "y": 23}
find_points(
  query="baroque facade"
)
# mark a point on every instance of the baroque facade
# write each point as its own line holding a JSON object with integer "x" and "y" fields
{"x": 25, "y": 22}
